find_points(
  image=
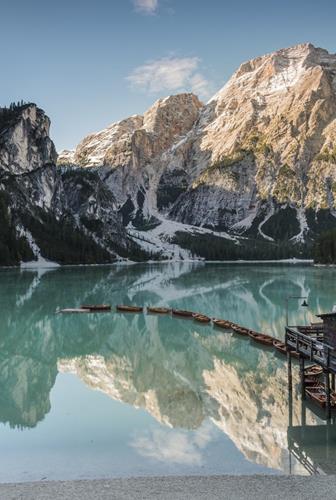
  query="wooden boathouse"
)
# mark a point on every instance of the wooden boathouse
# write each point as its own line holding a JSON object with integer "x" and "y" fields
{"x": 315, "y": 344}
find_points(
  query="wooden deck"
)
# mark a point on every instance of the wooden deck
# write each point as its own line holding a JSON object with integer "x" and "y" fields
{"x": 311, "y": 347}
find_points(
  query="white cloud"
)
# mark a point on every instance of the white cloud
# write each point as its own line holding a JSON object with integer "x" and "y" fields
{"x": 200, "y": 85}
{"x": 170, "y": 74}
{"x": 146, "y": 6}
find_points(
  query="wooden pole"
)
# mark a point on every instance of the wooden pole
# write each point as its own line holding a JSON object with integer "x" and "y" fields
{"x": 303, "y": 415}
{"x": 328, "y": 438}
{"x": 289, "y": 371}
{"x": 290, "y": 404}
{"x": 327, "y": 388}
{"x": 302, "y": 378}
{"x": 290, "y": 409}
{"x": 333, "y": 381}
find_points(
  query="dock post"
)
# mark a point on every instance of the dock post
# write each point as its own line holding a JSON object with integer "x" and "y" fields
{"x": 289, "y": 365}
{"x": 328, "y": 438}
{"x": 333, "y": 381}
{"x": 303, "y": 414}
{"x": 302, "y": 378}
{"x": 290, "y": 410}
{"x": 327, "y": 388}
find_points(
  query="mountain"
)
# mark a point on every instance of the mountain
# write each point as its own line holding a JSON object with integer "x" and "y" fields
{"x": 258, "y": 160}
{"x": 250, "y": 174}
{"x": 47, "y": 213}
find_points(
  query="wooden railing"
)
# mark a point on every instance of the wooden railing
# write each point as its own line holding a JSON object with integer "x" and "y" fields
{"x": 313, "y": 349}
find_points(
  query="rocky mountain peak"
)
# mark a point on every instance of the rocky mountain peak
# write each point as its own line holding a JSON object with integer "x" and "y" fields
{"x": 25, "y": 144}
{"x": 278, "y": 72}
{"x": 116, "y": 145}
{"x": 283, "y": 97}
{"x": 111, "y": 142}
{"x": 172, "y": 116}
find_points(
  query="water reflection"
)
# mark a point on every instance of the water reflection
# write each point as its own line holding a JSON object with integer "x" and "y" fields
{"x": 185, "y": 375}
{"x": 314, "y": 447}
{"x": 177, "y": 447}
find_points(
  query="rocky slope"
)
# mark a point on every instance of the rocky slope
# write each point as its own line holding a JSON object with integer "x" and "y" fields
{"x": 60, "y": 214}
{"x": 269, "y": 137}
{"x": 258, "y": 160}
{"x": 25, "y": 144}
{"x": 250, "y": 174}
{"x": 133, "y": 152}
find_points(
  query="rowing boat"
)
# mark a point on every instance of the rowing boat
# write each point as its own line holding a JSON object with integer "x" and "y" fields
{"x": 201, "y": 318}
{"x": 295, "y": 354}
{"x": 183, "y": 313}
{"x": 222, "y": 323}
{"x": 313, "y": 371}
{"x": 280, "y": 346}
{"x": 158, "y": 310}
{"x": 123, "y": 308}
{"x": 96, "y": 307}
{"x": 311, "y": 381}
{"x": 240, "y": 329}
{"x": 318, "y": 394}
{"x": 261, "y": 338}
{"x": 73, "y": 310}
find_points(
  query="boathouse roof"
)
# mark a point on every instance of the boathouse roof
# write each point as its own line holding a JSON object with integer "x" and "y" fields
{"x": 326, "y": 315}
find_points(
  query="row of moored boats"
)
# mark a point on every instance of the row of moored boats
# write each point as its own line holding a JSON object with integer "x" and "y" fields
{"x": 314, "y": 388}
{"x": 261, "y": 338}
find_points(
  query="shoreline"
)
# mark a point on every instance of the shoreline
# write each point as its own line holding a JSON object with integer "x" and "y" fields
{"x": 259, "y": 487}
{"x": 32, "y": 266}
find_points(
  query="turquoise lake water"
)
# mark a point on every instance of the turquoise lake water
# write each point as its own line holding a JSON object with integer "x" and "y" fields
{"x": 110, "y": 395}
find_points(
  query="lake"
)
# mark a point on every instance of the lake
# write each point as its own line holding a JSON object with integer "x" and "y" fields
{"x": 112, "y": 395}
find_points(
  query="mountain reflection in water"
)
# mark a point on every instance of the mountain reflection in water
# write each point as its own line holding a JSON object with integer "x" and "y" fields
{"x": 189, "y": 377}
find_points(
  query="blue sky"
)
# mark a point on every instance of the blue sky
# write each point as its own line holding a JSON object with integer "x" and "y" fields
{"x": 89, "y": 63}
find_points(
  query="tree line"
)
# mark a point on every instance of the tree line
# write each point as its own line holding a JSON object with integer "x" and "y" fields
{"x": 325, "y": 248}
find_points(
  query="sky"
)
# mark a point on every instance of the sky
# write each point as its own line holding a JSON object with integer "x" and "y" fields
{"x": 90, "y": 63}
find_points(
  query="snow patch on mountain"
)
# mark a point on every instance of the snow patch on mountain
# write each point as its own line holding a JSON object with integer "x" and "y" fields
{"x": 301, "y": 217}
{"x": 40, "y": 261}
{"x": 268, "y": 216}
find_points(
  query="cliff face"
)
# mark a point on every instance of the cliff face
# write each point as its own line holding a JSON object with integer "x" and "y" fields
{"x": 48, "y": 213}
{"x": 260, "y": 153}
{"x": 269, "y": 136}
{"x": 134, "y": 153}
{"x": 25, "y": 144}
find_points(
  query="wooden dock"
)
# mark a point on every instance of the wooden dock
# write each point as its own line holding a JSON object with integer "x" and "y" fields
{"x": 312, "y": 348}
